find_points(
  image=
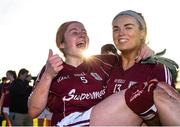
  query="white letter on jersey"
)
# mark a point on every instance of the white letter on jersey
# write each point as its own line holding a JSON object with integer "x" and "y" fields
{"x": 71, "y": 95}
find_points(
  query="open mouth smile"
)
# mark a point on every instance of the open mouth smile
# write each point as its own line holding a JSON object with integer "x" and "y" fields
{"x": 81, "y": 45}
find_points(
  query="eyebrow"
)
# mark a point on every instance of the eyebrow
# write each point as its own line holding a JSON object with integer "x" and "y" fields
{"x": 76, "y": 29}
{"x": 72, "y": 29}
{"x": 129, "y": 24}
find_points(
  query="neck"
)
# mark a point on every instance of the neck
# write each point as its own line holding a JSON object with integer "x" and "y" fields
{"x": 74, "y": 61}
{"x": 128, "y": 59}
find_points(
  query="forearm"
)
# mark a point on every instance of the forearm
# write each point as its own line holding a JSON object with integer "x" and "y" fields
{"x": 1, "y": 100}
{"x": 167, "y": 101}
{"x": 38, "y": 98}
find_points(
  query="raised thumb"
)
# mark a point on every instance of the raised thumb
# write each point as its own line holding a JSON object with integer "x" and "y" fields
{"x": 50, "y": 53}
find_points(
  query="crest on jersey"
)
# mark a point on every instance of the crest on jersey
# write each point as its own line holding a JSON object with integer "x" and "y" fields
{"x": 96, "y": 76}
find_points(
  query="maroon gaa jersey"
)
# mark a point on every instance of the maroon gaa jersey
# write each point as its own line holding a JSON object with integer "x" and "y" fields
{"x": 5, "y": 90}
{"x": 76, "y": 89}
{"x": 138, "y": 73}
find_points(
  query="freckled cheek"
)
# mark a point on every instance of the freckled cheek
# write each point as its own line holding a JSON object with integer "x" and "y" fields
{"x": 134, "y": 38}
{"x": 72, "y": 40}
{"x": 116, "y": 42}
{"x": 133, "y": 35}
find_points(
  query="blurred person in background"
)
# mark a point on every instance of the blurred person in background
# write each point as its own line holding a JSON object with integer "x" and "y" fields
{"x": 108, "y": 49}
{"x": 5, "y": 99}
{"x": 19, "y": 93}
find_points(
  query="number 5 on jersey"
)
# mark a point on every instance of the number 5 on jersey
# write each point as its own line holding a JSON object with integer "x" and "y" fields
{"x": 83, "y": 79}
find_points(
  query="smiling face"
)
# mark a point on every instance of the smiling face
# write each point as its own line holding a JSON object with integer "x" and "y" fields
{"x": 127, "y": 34}
{"x": 75, "y": 40}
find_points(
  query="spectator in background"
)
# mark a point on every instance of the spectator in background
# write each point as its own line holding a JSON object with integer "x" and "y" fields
{"x": 20, "y": 92}
{"x": 28, "y": 81}
{"x": 5, "y": 100}
{"x": 3, "y": 81}
{"x": 108, "y": 49}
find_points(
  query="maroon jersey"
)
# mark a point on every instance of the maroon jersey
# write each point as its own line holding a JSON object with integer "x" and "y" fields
{"x": 5, "y": 90}
{"x": 138, "y": 73}
{"x": 78, "y": 88}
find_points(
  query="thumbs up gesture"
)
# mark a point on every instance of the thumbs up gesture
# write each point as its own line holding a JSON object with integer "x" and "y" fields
{"x": 53, "y": 64}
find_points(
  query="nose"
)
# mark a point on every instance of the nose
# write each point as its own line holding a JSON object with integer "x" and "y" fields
{"x": 82, "y": 34}
{"x": 122, "y": 31}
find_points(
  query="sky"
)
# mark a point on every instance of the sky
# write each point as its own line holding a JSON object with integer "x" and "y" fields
{"x": 28, "y": 27}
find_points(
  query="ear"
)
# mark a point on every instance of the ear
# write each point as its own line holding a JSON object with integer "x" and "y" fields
{"x": 142, "y": 34}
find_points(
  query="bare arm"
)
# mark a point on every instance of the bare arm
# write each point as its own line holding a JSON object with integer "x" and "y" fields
{"x": 1, "y": 102}
{"x": 38, "y": 98}
{"x": 167, "y": 101}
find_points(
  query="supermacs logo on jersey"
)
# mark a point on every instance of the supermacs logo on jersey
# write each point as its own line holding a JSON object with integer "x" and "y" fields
{"x": 72, "y": 95}
{"x": 96, "y": 76}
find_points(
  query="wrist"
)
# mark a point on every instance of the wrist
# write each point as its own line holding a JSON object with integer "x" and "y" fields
{"x": 47, "y": 77}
